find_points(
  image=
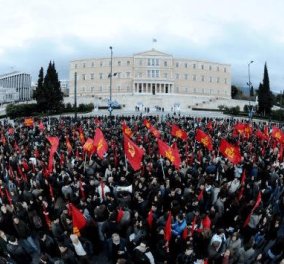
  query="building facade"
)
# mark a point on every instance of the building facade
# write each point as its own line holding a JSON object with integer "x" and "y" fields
{"x": 8, "y": 95}
{"x": 19, "y": 81}
{"x": 151, "y": 72}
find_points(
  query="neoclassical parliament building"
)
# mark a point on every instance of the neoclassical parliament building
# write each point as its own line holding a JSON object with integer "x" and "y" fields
{"x": 150, "y": 73}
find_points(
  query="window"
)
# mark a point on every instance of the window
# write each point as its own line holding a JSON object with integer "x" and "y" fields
{"x": 210, "y": 79}
{"x": 186, "y": 90}
{"x": 149, "y": 73}
{"x": 93, "y": 64}
{"x": 177, "y": 64}
{"x": 194, "y": 77}
{"x": 128, "y": 74}
{"x": 218, "y": 79}
{"x": 225, "y": 70}
{"x": 153, "y": 73}
{"x": 153, "y": 62}
{"x": 186, "y": 76}
{"x": 92, "y": 76}
{"x": 119, "y": 63}
{"x": 202, "y": 67}
{"x": 128, "y": 63}
{"x": 157, "y": 62}
{"x": 202, "y": 78}
{"x": 185, "y": 65}
{"x": 92, "y": 89}
{"x": 165, "y": 63}
{"x": 165, "y": 75}
{"x": 101, "y": 76}
{"x": 101, "y": 64}
{"x": 140, "y": 74}
{"x": 194, "y": 66}
{"x": 84, "y": 77}
{"x": 210, "y": 68}
{"x": 140, "y": 62}
{"x": 118, "y": 75}
{"x": 157, "y": 73}
{"x": 149, "y": 62}
{"x": 84, "y": 65}
{"x": 225, "y": 81}
{"x": 177, "y": 76}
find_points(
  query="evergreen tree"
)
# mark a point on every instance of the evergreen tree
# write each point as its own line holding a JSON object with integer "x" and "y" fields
{"x": 265, "y": 96}
{"x": 251, "y": 91}
{"x": 40, "y": 92}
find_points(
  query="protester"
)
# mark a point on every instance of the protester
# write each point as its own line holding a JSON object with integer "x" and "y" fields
{"x": 157, "y": 189}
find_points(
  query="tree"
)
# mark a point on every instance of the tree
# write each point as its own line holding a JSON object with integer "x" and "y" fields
{"x": 48, "y": 94}
{"x": 40, "y": 93}
{"x": 236, "y": 92}
{"x": 265, "y": 96}
{"x": 251, "y": 91}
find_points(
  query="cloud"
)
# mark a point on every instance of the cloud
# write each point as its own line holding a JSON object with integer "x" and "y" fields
{"x": 227, "y": 31}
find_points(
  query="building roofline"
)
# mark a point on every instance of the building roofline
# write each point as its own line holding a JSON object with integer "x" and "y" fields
{"x": 12, "y": 74}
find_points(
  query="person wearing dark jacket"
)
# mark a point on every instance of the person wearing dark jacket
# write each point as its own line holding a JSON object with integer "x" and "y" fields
{"x": 17, "y": 252}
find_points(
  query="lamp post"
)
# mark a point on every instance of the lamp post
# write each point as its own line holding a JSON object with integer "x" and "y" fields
{"x": 75, "y": 94}
{"x": 249, "y": 85}
{"x": 110, "y": 82}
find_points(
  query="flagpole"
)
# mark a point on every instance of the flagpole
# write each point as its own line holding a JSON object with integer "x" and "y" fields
{"x": 161, "y": 160}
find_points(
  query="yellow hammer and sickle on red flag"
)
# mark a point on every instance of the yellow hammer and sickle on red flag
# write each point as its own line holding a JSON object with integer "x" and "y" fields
{"x": 127, "y": 131}
{"x": 205, "y": 141}
{"x": 169, "y": 155}
{"x": 277, "y": 135}
{"x": 179, "y": 133}
{"x": 230, "y": 152}
{"x": 100, "y": 144}
{"x": 131, "y": 150}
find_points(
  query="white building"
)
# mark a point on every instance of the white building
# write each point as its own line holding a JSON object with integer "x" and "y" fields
{"x": 150, "y": 73}
{"x": 19, "y": 81}
{"x": 8, "y": 95}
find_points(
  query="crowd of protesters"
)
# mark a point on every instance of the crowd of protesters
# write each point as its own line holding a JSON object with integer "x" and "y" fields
{"x": 206, "y": 199}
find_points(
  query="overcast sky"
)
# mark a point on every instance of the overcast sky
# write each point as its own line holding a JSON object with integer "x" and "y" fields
{"x": 32, "y": 32}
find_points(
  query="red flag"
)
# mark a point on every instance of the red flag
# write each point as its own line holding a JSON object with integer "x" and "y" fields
{"x": 29, "y": 122}
{"x": 280, "y": 155}
{"x": 167, "y": 152}
{"x": 89, "y": 146}
{"x": 100, "y": 143}
{"x": 257, "y": 203}
{"x": 147, "y": 123}
{"x": 232, "y": 153}
{"x": 203, "y": 138}
{"x": 68, "y": 145}
{"x": 168, "y": 228}
{"x": 243, "y": 179}
{"x": 150, "y": 218}
{"x": 200, "y": 195}
{"x": 177, "y": 156}
{"x": 120, "y": 214}
{"x": 260, "y": 135}
{"x": 206, "y": 222}
{"x": 41, "y": 126}
{"x": 54, "y": 142}
{"x": 184, "y": 233}
{"x": 155, "y": 132}
{"x": 78, "y": 219}
{"x": 126, "y": 130}
{"x": 133, "y": 153}
{"x": 8, "y": 195}
{"x": 179, "y": 133}
{"x": 278, "y": 134}
{"x": 81, "y": 136}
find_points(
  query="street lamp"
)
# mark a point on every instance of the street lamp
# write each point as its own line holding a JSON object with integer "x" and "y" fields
{"x": 249, "y": 85}
{"x": 110, "y": 82}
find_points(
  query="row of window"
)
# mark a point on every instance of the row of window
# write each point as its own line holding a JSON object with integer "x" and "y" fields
{"x": 156, "y": 62}
{"x": 102, "y": 76}
{"x": 101, "y": 87}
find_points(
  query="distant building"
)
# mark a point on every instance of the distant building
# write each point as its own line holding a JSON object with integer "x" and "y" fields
{"x": 8, "y": 95}
{"x": 19, "y": 81}
{"x": 151, "y": 72}
{"x": 64, "y": 85}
